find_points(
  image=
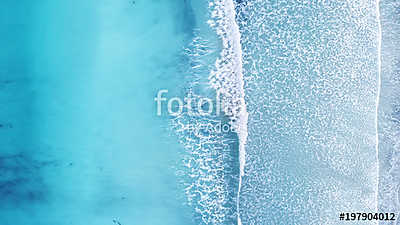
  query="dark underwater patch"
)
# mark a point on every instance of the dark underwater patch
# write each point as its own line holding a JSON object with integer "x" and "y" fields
{"x": 20, "y": 181}
{"x": 187, "y": 19}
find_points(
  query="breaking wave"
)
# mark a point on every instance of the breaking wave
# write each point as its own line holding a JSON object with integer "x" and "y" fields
{"x": 214, "y": 161}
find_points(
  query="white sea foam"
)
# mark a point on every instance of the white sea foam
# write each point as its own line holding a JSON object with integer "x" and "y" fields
{"x": 227, "y": 78}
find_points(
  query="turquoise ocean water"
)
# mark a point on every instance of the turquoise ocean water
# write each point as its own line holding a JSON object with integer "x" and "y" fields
{"x": 81, "y": 141}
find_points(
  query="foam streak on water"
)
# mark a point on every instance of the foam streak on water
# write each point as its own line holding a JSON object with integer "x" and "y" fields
{"x": 227, "y": 78}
